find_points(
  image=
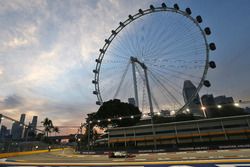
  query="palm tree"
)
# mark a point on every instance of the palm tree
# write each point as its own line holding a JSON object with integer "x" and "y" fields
{"x": 48, "y": 126}
{"x": 56, "y": 130}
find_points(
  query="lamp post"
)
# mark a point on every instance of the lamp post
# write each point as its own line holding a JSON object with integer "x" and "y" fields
{"x": 89, "y": 122}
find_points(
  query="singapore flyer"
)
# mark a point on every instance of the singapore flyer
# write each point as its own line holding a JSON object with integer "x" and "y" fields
{"x": 151, "y": 57}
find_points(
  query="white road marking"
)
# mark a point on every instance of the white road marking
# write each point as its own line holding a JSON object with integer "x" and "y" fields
{"x": 211, "y": 157}
{"x": 143, "y": 154}
{"x": 222, "y": 150}
{"x": 117, "y": 160}
{"x": 181, "y": 153}
{"x": 96, "y": 155}
{"x": 3, "y": 159}
{"x": 140, "y": 159}
{"x": 163, "y": 158}
{"x": 221, "y": 157}
{"x": 201, "y": 151}
{"x": 161, "y": 153}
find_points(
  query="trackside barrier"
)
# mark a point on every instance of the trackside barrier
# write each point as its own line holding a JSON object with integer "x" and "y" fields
{"x": 13, "y": 154}
{"x": 197, "y": 148}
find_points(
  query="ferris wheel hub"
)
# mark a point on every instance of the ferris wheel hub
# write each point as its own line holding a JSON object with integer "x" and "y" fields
{"x": 135, "y": 60}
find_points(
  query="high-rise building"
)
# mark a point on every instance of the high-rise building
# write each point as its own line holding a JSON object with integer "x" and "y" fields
{"x": 209, "y": 103}
{"x": 224, "y": 100}
{"x": 188, "y": 91}
{"x": 131, "y": 101}
{"x": 17, "y": 128}
{"x": 4, "y": 132}
{"x": 15, "y": 131}
{"x": 247, "y": 109}
{"x": 22, "y": 118}
{"x": 165, "y": 113}
{"x": 34, "y": 124}
{"x": 30, "y": 131}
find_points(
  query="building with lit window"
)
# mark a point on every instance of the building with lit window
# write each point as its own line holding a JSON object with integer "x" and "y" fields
{"x": 188, "y": 91}
{"x": 225, "y": 130}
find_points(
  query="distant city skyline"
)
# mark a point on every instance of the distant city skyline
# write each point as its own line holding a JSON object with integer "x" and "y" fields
{"x": 48, "y": 51}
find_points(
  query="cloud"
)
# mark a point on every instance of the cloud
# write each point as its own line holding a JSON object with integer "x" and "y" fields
{"x": 47, "y": 53}
{"x": 11, "y": 101}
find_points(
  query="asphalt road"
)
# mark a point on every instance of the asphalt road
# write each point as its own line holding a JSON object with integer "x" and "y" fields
{"x": 69, "y": 157}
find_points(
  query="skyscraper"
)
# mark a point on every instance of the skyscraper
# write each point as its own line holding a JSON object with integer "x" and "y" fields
{"x": 209, "y": 103}
{"x": 17, "y": 128}
{"x": 131, "y": 101}
{"x": 4, "y": 132}
{"x": 34, "y": 124}
{"x": 224, "y": 100}
{"x": 188, "y": 91}
{"x": 22, "y": 118}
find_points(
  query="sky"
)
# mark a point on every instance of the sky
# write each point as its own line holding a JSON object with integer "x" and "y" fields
{"x": 48, "y": 51}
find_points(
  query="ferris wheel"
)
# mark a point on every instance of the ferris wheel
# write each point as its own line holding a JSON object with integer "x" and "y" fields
{"x": 150, "y": 55}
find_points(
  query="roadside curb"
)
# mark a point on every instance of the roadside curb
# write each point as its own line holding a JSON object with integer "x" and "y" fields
{"x": 13, "y": 154}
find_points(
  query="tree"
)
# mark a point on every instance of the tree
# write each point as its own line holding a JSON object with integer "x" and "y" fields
{"x": 184, "y": 117}
{"x": 119, "y": 112}
{"x": 39, "y": 136}
{"x": 48, "y": 126}
{"x": 56, "y": 130}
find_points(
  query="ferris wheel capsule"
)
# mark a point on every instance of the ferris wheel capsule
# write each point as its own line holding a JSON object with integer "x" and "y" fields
{"x": 212, "y": 46}
{"x": 152, "y": 7}
{"x": 188, "y": 11}
{"x": 140, "y": 11}
{"x": 163, "y": 5}
{"x": 212, "y": 64}
{"x": 207, "y": 83}
{"x": 176, "y": 6}
{"x": 207, "y": 31}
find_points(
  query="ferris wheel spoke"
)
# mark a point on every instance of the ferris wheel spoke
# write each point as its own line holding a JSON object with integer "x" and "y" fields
{"x": 171, "y": 75}
{"x": 178, "y": 43}
{"x": 148, "y": 42}
{"x": 175, "y": 71}
{"x": 115, "y": 53}
{"x": 131, "y": 46}
{"x": 157, "y": 41}
{"x": 167, "y": 81}
{"x": 176, "y": 53}
{"x": 124, "y": 43}
{"x": 169, "y": 84}
{"x": 186, "y": 47}
{"x": 162, "y": 91}
{"x": 122, "y": 79}
{"x": 144, "y": 85}
{"x": 164, "y": 87}
{"x": 175, "y": 91}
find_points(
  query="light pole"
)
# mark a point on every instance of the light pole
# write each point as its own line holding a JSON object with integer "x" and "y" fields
{"x": 89, "y": 122}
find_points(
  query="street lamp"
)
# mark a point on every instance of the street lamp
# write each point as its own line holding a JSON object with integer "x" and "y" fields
{"x": 236, "y": 104}
{"x": 219, "y": 106}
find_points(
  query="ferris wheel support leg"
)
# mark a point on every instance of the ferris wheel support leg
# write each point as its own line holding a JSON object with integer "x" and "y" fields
{"x": 135, "y": 84}
{"x": 150, "y": 106}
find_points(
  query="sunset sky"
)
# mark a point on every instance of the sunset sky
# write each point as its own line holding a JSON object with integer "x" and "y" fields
{"x": 48, "y": 51}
